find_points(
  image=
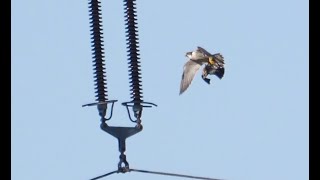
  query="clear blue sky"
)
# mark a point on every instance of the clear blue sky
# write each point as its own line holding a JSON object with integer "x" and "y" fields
{"x": 251, "y": 125}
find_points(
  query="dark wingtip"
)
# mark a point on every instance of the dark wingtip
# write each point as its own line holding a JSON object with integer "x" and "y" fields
{"x": 180, "y": 92}
{"x": 219, "y": 73}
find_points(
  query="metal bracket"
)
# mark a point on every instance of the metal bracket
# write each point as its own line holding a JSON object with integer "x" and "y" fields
{"x": 102, "y": 108}
{"x": 121, "y": 133}
{"x": 137, "y": 107}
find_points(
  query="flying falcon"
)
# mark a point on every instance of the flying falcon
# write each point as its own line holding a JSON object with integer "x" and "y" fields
{"x": 214, "y": 65}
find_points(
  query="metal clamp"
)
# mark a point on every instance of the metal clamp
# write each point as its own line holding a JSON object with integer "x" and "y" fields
{"x": 102, "y": 108}
{"x": 123, "y": 160}
{"x": 137, "y": 107}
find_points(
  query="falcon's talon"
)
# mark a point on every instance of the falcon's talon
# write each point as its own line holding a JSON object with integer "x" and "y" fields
{"x": 211, "y": 60}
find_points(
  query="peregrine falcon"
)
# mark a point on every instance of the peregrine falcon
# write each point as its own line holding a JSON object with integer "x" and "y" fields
{"x": 214, "y": 65}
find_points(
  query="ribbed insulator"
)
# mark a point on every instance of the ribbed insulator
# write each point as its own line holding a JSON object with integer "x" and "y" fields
{"x": 98, "y": 51}
{"x": 133, "y": 51}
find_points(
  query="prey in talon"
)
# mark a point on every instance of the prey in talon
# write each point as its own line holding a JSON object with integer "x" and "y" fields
{"x": 215, "y": 66}
{"x": 212, "y": 70}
